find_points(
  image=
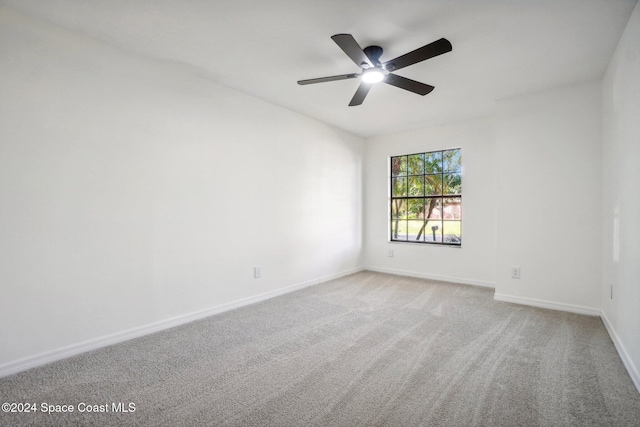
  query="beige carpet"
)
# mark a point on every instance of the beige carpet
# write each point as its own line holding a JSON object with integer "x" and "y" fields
{"x": 365, "y": 350}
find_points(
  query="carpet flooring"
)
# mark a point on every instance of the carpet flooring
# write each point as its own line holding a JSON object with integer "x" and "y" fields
{"x": 369, "y": 349}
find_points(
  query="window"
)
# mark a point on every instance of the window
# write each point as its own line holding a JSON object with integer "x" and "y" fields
{"x": 426, "y": 198}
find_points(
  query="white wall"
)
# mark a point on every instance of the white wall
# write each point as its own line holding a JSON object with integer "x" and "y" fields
{"x": 133, "y": 191}
{"x": 473, "y": 262}
{"x": 532, "y": 185}
{"x": 621, "y": 201}
{"x": 548, "y": 197}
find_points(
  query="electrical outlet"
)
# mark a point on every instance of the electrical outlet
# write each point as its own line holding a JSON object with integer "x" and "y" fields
{"x": 515, "y": 272}
{"x": 257, "y": 272}
{"x": 390, "y": 253}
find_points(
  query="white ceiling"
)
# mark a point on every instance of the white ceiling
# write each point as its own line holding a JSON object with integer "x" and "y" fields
{"x": 501, "y": 48}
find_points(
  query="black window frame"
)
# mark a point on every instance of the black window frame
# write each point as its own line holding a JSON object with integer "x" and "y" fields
{"x": 434, "y": 186}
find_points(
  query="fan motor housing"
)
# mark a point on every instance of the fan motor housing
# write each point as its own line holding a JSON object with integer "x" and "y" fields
{"x": 373, "y": 53}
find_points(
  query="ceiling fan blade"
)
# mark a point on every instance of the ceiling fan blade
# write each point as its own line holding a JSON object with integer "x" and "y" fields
{"x": 361, "y": 93}
{"x": 436, "y": 48}
{"x": 408, "y": 84}
{"x": 353, "y": 50}
{"x": 328, "y": 79}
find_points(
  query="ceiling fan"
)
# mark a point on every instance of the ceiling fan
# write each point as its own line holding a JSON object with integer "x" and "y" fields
{"x": 373, "y": 71}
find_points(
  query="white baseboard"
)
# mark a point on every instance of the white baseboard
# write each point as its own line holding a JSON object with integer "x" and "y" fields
{"x": 44, "y": 358}
{"x": 552, "y": 305}
{"x": 460, "y": 280}
{"x": 622, "y": 351}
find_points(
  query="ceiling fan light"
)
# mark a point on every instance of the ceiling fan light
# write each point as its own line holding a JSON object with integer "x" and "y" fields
{"x": 372, "y": 75}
